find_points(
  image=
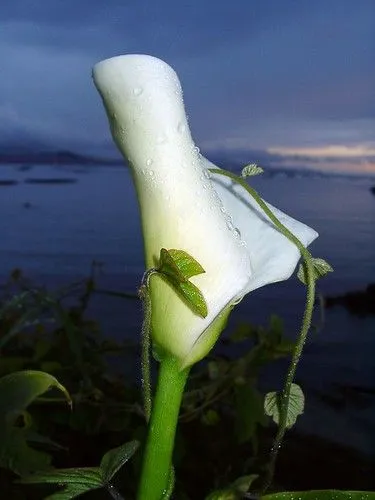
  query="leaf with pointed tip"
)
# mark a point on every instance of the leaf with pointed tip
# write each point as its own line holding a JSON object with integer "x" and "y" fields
{"x": 272, "y": 405}
{"x": 17, "y": 391}
{"x": 114, "y": 459}
{"x": 250, "y": 170}
{"x": 235, "y": 491}
{"x": 74, "y": 481}
{"x": 195, "y": 298}
{"x": 321, "y": 268}
{"x": 177, "y": 266}
{"x": 186, "y": 264}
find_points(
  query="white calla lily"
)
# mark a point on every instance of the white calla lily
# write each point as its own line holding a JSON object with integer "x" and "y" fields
{"x": 183, "y": 207}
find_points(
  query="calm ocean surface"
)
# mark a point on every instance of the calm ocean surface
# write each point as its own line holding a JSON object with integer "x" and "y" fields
{"x": 63, "y": 228}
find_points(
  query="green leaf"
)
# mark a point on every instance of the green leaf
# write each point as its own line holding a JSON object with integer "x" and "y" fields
{"x": 321, "y": 495}
{"x": 186, "y": 264}
{"x": 243, "y": 483}
{"x": 74, "y": 481}
{"x": 114, "y": 459}
{"x": 222, "y": 495}
{"x": 195, "y": 298}
{"x": 177, "y": 267}
{"x": 321, "y": 268}
{"x": 235, "y": 491}
{"x": 272, "y": 405}
{"x": 210, "y": 418}
{"x": 17, "y": 391}
{"x": 249, "y": 413}
{"x": 250, "y": 170}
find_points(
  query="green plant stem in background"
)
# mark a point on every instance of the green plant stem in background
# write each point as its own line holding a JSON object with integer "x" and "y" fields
{"x": 306, "y": 322}
{"x": 157, "y": 459}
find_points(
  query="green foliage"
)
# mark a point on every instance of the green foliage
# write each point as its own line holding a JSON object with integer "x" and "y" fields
{"x": 321, "y": 495}
{"x": 178, "y": 267}
{"x": 272, "y": 405}
{"x": 221, "y": 407}
{"x": 17, "y": 391}
{"x": 249, "y": 413}
{"x": 81, "y": 480}
{"x": 321, "y": 268}
{"x": 251, "y": 170}
{"x": 235, "y": 491}
{"x": 75, "y": 482}
{"x": 114, "y": 459}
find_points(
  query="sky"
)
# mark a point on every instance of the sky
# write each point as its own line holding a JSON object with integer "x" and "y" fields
{"x": 291, "y": 82}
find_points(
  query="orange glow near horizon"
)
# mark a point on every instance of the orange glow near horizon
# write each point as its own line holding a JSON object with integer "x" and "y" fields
{"x": 332, "y": 151}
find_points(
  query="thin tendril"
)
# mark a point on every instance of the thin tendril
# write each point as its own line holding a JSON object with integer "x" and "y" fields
{"x": 144, "y": 294}
{"x": 306, "y": 321}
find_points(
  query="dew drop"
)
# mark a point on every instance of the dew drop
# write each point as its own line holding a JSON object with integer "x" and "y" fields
{"x": 196, "y": 149}
{"x": 137, "y": 91}
{"x": 230, "y": 225}
{"x": 237, "y": 232}
{"x": 162, "y": 139}
{"x": 149, "y": 162}
{"x": 181, "y": 127}
{"x": 151, "y": 173}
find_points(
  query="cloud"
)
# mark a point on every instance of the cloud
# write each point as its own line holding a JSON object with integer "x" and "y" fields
{"x": 266, "y": 73}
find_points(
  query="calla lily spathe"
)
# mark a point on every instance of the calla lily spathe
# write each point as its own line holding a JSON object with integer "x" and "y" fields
{"x": 184, "y": 207}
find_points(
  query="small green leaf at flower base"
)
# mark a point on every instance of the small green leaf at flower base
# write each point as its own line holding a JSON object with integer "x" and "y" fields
{"x": 177, "y": 267}
{"x": 251, "y": 170}
{"x": 321, "y": 268}
{"x": 272, "y": 405}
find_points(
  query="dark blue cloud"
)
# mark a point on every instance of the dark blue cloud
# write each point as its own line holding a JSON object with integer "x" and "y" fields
{"x": 261, "y": 72}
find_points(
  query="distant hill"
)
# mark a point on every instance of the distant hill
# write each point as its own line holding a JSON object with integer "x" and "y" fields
{"x": 63, "y": 157}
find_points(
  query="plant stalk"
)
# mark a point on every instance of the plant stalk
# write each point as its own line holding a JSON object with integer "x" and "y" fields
{"x": 157, "y": 458}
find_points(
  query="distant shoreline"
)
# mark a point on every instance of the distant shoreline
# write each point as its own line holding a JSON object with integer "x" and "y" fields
{"x": 54, "y": 158}
{"x": 69, "y": 158}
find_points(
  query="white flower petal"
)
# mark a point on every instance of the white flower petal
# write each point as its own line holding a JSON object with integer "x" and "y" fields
{"x": 179, "y": 207}
{"x": 182, "y": 209}
{"x": 273, "y": 256}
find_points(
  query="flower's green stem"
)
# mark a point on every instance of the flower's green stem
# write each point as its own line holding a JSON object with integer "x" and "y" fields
{"x": 157, "y": 459}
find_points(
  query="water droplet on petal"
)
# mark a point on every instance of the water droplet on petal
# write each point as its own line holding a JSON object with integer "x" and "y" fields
{"x": 162, "y": 139}
{"x": 181, "y": 127}
{"x": 196, "y": 149}
{"x": 151, "y": 173}
{"x": 149, "y": 162}
{"x": 137, "y": 91}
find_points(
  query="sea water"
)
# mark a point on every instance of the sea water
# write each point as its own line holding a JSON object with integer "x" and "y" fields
{"x": 53, "y": 232}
